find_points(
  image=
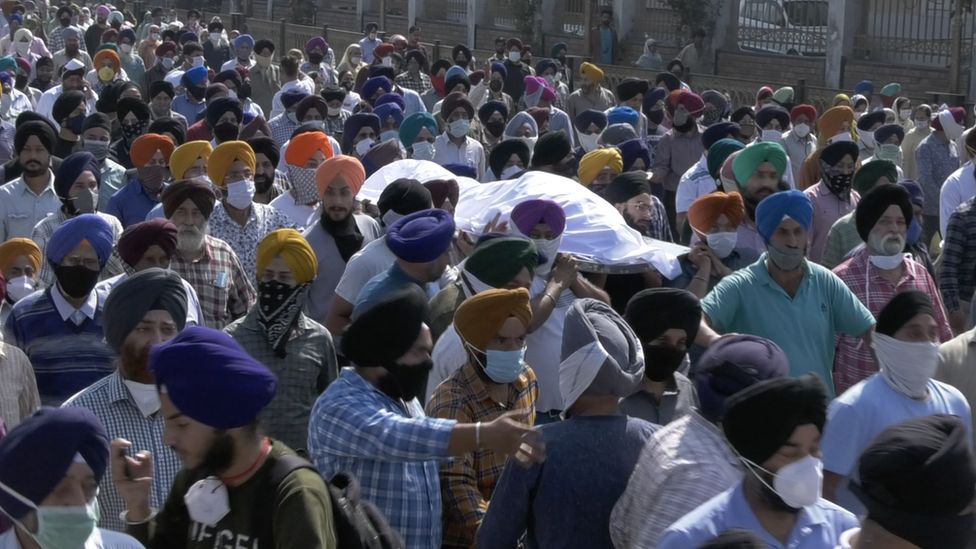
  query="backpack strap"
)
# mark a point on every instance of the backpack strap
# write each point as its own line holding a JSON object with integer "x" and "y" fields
{"x": 263, "y": 510}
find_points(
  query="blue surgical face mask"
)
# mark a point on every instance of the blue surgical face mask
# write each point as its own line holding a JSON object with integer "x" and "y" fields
{"x": 504, "y": 366}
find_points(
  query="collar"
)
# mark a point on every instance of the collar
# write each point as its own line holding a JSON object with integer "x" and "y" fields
{"x": 48, "y": 189}
{"x": 115, "y": 388}
{"x": 767, "y": 277}
{"x": 739, "y": 512}
{"x": 874, "y": 272}
{"x": 66, "y": 310}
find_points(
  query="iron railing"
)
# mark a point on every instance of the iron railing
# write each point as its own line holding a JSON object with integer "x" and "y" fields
{"x": 911, "y": 31}
{"x": 789, "y": 27}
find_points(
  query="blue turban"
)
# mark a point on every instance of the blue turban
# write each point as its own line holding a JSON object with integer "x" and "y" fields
{"x": 352, "y": 125}
{"x": 421, "y": 236}
{"x": 36, "y": 454}
{"x": 375, "y": 84}
{"x": 196, "y": 76}
{"x": 211, "y": 379}
{"x": 291, "y": 98}
{"x": 462, "y": 170}
{"x": 718, "y": 131}
{"x": 490, "y": 108}
{"x": 188, "y": 37}
{"x": 544, "y": 65}
{"x": 496, "y": 67}
{"x": 244, "y": 39}
{"x": 777, "y": 206}
{"x": 16, "y": 17}
{"x": 885, "y": 132}
{"x": 71, "y": 168}
{"x": 455, "y": 70}
{"x": 632, "y": 150}
{"x": 393, "y": 98}
{"x": 652, "y": 97}
{"x": 623, "y": 115}
{"x": 411, "y": 126}
{"x": 591, "y": 116}
{"x": 85, "y": 227}
{"x": 864, "y": 87}
{"x": 388, "y": 110}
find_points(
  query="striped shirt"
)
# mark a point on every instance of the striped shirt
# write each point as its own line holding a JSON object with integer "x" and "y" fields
{"x": 224, "y": 289}
{"x": 18, "y": 390}
{"x": 45, "y": 229}
{"x": 957, "y": 276}
{"x": 109, "y": 399}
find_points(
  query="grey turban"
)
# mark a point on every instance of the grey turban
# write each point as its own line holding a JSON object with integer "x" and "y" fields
{"x": 130, "y": 300}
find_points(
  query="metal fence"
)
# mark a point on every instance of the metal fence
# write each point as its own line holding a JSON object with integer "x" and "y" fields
{"x": 794, "y": 27}
{"x": 911, "y": 31}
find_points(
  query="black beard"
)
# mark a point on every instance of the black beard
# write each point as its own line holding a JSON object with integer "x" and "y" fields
{"x": 262, "y": 184}
{"x": 632, "y": 223}
{"x": 34, "y": 173}
{"x": 219, "y": 455}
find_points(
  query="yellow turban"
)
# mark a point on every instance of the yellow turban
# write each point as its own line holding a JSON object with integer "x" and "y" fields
{"x": 840, "y": 98}
{"x": 186, "y": 154}
{"x": 592, "y": 72}
{"x": 480, "y": 317}
{"x": 16, "y": 247}
{"x": 226, "y": 154}
{"x": 594, "y": 161}
{"x": 832, "y": 121}
{"x": 297, "y": 253}
{"x": 708, "y": 208}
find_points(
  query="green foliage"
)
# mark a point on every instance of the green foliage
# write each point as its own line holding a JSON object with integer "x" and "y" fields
{"x": 695, "y": 13}
{"x": 525, "y": 12}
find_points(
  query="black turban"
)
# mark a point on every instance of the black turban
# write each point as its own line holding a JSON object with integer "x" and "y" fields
{"x": 901, "y": 309}
{"x": 333, "y": 93}
{"x": 761, "y": 418}
{"x": 266, "y": 146}
{"x": 387, "y": 330}
{"x": 311, "y": 102}
{"x": 742, "y": 112}
{"x": 66, "y": 103}
{"x": 873, "y": 205}
{"x": 404, "y": 197}
{"x": 499, "y": 156}
{"x": 836, "y": 151}
{"x": 229, "y": 74}
{"x": 218, "y": 107}
{"x": 626, "y": 186}
{"x": 630, "y": 87}
{"x": 551, "y": 149}
{"x": 42, "y": 130}
{"x": 130, "y": 300}
{"x": 652, "y": 312}
{"x": 769, "y": 113}
{"x": 97, "y": 120}
{"x": 161, "y": 86}
{"x": 917, "y": 481}
{"x": 136, "y": 106}
{"x": 170, "y": 125}
{"x": 869, "y": 119}
{"x": 669, "y": 80}
{"x": 200, "y": 193}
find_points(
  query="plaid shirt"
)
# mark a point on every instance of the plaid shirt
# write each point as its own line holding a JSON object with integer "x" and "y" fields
{"x": 659, "y": 227}
{"x": 392, "y": 448}
{"x": 109, "y": 399}
{"x": 683, "y": 465}
{"x": 18, "y": 389}
{"x": 45, "y": 229}
{"x": 224, "y": 290}
{"x": 467, "y": 482}
{"x": 334, "y": 125}
{"x": 244, "y": 240}
{"x": 852, "y": 359}
{"x": 281, "y": 128}
{"x": 421, "y": 84}
{"x": 957, "y": 276}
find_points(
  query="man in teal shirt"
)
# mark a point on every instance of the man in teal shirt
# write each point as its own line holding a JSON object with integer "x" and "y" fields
{"x": 783, "y": 297}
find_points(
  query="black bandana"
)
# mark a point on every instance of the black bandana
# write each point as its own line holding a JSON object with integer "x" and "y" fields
{"x": 279, "y": 307}
{"x": 346, "y": 234}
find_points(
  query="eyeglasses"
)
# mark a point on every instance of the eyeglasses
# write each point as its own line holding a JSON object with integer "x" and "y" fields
{"x": 642, "y": 206}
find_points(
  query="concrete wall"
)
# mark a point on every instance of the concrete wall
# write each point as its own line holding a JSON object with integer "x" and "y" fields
{"x": 771, "y": 69}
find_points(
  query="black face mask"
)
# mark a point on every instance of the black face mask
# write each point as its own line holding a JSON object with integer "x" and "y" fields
{"x": 495, "y": 127}
{"x": 77, "y": 281}
{"x": 661, "y": 361}
{"x": 686, "y": 127}
{"x": 839, "y": 184}
{"x": 315, "y": 58}
{"x": 244, "y": 92}
{"x": 656, "y": 116}
{"x": 197, "y": 92}
{"x": 20, "y": 81}
{"x": 226, "y": 131}
{"x": 406, "y": 381}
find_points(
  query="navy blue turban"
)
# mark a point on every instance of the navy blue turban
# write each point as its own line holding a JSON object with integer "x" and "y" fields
{"x": 421, "y": 236}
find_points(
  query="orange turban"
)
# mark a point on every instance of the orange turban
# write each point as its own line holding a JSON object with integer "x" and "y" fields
{"x": 303, "y": 146}
{"x": 479, "y": 318}
{"x": 145, "y": 147}
{"x": 16, "y": 247}
{"x": 832, "y": 121}
{"x": 225, "y": 155}
{"x": 708, "y": 208}
{"x": 111, "y": 56}
{"x": 348, "y": 167}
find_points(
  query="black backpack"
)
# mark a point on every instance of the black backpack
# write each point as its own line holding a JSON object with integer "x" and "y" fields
{"x": 358, "y": 523}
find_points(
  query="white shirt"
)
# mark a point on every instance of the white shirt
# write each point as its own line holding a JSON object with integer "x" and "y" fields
{"x": 371, "y": 260}
{"x": 21, "y": 210}
{"x": 470, "y": 153}
{"x": 19, "y": 102}
{"x": 304, "y": 84}
{"x": 958, "y": 188}
{"x": 194, "y": 314}
{"x": 99, "y": 539}
{"x": 45, "y": 105}
{"x": 68, "y": 311}
{"x": 689, "y": 188}
{"x": 303, "y": 216}
{"x": 234, "y": 63}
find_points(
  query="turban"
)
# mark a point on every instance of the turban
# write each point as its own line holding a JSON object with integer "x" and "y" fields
{"x": 626, "y": 186}
{"x": 16, "y": 247}
{"x": 422, "y": 236}
{"x": 186, "y": 154}
{"x": 244, "y": 39}
{"x": 71, "y": 32}
{"x": 65, "y": 104}
{"x": 901, "y": 309}
{"x": 769, "y": 113}
{"x": 196, "y": 191}
{"x": 109, "y": 55}
{"x": 261, "y": 145}
{"x": 311, "y": 102}
{"x": 867, "y": 176}
{"x": 130, "y": 300}
{"x": 294, "y": 249}
{"x": 462, "y": 170}
{"x": 632, "y": 150}
{"x": 97, "y": 120}
{"x": 336, "y": 93}
{"x": 835, "y": 152}
{"x": 355, "y": 123}
{"x": 500, "y": 69}
{"x": 530, "y": 213}
{"x": 764, "y": 92}
{"x": 594, "y": 161}
{"x": 544, "y": 65}
{"x": 403, "y": 197}
{"x": 382, "y": 155}
{"x": 42, "y": 130}
{"x": 718, "y": 100}
{"x": 391, "y": 98}
{"x": 303, "y": 146}
{"x": 441, "y": 190}
{"x": 127, "y": 33}
{"x": 316, "y": 43}
{"x": 739, "y": 114}
{"x": 873, "y": 205}
{"x": 395, "y": 320}
{"x": 36, "y": 455}
{"x": 169, "y": 125}
{"x": 884, "y": 133}
{"x": 761, "y": 418}
{"x": 733, "y": 363}
{"x": 630, "y": 87}
{"x": 670, "y": 81}
{"x": 915, "y": 191}
{"x": 653, "y": 97}
{"x": 503, "y": 151}
{"x": 346, "y": 167}
{"x": 841, "y": 98}
{"x": 498, "y": 261}
{"x": 145, "y": 147}
{"x": 292, "y": 97}
{"x": 138, "y": 238}
{"x": 539, "y": 114}
{"x": 224, "y": 156}
{"x": 453, "y": 71}
{"x": 591, "y": 71}
{"x": 519, "y": 120}
{"x": 71, "y": 169}
{"x": 870, "y": 119}
{"x": 832, "y": 122}
{"x": 803, "y": 110}
{"x": 706, "y": 209}
{"x": 456, "y": 100}
{"x": 490, "y": 108}
{"x": 165, "y": 48}
{"x": 778, "y": 206}
{"x": 864, "y": 87}
{"x": 222, "y": 105}
{"x": 591, "y": 116}
{"x": 551, "y": 149}
{"x": 375, "y": 84}
{"x": 784, "y": 96}
{"x": 955, "y": 115}
{"x": 383, "y": 50}
{"x": 479, "y": 317}
{"x": 601, "y": 355}
{"x": 719, "y": 152}
{"x": 103, "y": 11}
{"x": 725, "y": 175}
{"x": 388, "y": 111}
{"x": 690, "y": 101}
{"x": 623, "y": 115}
{"x": 211, "y": 379}
{"x": 917, "y": 480}
{"x": 90, "y": 228}
{"x": 652, "y": 312}
{"x": 720, "y": 130}
{"x": 457, "y": 79}
{"x": 750, "y": 158}
{"x": 411, "y": 126}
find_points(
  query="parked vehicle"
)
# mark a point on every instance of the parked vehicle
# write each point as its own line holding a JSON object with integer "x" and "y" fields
{"x": 791, "y": 27}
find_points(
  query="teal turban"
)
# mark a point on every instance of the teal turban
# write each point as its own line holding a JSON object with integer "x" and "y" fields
{"x": 751, "y": 157}
{"x": 411, "y": 126}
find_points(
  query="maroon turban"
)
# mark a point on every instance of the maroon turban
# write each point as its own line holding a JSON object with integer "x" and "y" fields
{"x": 136, "y": 239}
{"x": 199, "y": 192}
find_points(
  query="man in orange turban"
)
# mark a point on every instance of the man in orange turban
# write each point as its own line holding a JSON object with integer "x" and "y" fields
{"x": 150, "y": 155}
{"x": 715, "y": 218}
{"x": 20, "y": 266}
{"x": 303, "y": 154}
{"x": 495, "y": 380}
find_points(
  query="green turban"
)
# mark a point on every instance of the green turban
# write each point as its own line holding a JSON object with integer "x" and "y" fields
{"x": 751, "y": 157}
{"x": 498, "y": 261}
{"x": 869, "y": 173}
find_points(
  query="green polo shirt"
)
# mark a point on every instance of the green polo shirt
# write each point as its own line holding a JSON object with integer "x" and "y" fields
{"x": 749, "y": 301}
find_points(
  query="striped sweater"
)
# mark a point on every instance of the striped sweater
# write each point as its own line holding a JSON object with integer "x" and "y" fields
{"x": 66, "y": 358}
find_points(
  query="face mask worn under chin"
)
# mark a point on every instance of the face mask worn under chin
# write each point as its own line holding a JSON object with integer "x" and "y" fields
{"x": 722, "y": 243}
{"x": 589, "y": 141}
{"x": 423, "y": 150}
{"x": 146, "y": 396}
{"x": 364, "y": 146}
{"x": 207, "y": 501}
{"x": 59, "y": 527}
{"x": 459, "y": 128}
{"x": 906, "y": 365}
{"x": 240, "y": 193}
{"x": 798, "y": 484}
{"x": 19, "y": 288}
{"x": 786, "y": 260}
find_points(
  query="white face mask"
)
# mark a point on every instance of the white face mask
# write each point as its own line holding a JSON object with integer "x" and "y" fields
{"x": 680, "y": 117}
{"x": 334, "y": 111}
{"x": 589, "y": 141}
{"x": 889, "y": 151}
{"x": 921, "y": 124}
{"x": 240, "y": 193}
{"x": 214, "y": 38}
{"x": 126, "y": 48}
{"x": 514, "y": 56}
{"x": 355, "y": 60}
{"x": 390, "y": 135}
{"x": 529, "y": 142}
{"x": 842, "y": 136}
{"x": 386, "y": 61}
{"x": 906, "y": 365}
{"x": 509, "y": 172}
{"x": 775, "y": 136}
{"x": 198, "y": 61}
{"x": 363, "y": 147}
{"x": 548, "y": 248}
{"x": 423, "y": 150}
{"x": 722, "y": 243}
{"x": 801, "y": 130}
{"x": 459, "y": 128}
{"x": 232, "y": 94}
{"x": 207, "y": 501}
{"x": 798, "y": 484}
{"x": 19, "y": 288}
{"x": 867, "y": 138}
{"x": 146, "y": 396}
{"x": 905, "y": 114}
{"x": 22, "y": 48}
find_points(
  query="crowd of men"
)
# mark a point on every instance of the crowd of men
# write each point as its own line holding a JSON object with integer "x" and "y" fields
{"x": 244, "y": 303}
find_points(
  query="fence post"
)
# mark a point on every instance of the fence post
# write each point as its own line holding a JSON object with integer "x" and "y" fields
{"x": 801, "y": 91}
{"x": 587, "y": 28}
{"x": 472, "y": 12}
{"x": 836, "y": 29}
{"x": 282, "y": 30}
{"x": 437, "y": 50}
{"x": 325, "y": 33}
{"x": 237, "y": 20}
{"x": 383, "y": 14}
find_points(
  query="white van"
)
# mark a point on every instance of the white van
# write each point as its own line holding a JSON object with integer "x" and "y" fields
{"x": 791, "y": 27}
